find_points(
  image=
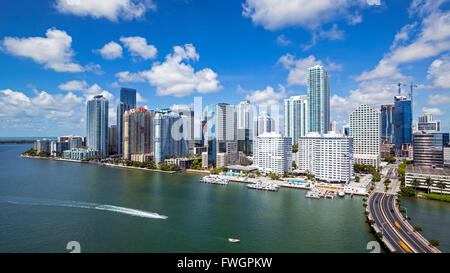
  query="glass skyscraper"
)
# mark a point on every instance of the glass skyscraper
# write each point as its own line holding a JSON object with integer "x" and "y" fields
{"x": 127, "y": 102}
{"x": 429, "y": 149}
{"x": 318, "y": 99}
{"x": 296, "y": 117}
{"x": 97, "y": 124}
{"x": 387, "y": 123}
{"x": 402, "y": 121}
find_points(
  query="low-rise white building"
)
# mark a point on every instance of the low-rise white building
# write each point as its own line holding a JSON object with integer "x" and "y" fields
{"x": 273, "y": 153}
{"x": 436, "y": 176}
{"x": 79, "y": 153}
{"x": 329, "y": 157}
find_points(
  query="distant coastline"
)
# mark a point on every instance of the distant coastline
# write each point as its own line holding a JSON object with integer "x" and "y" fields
{"x": 16, "y": 142}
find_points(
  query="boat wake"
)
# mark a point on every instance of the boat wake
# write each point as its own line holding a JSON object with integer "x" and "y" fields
{"x": 82, "y": 205}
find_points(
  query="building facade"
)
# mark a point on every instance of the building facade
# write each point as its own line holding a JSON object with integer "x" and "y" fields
{"x": 387, "y": 124}
{"x": 427, "y": 124}
{"x": 137, "y": 132}
{"x": 365, "y": 131}
{"x": 266, "y": 124}
{"x": 112, "y": 139}
{"x": 79, "y": 153}
{"x": 402, "y": 124}
{"x": 329, "y": 157}
{"x": 221, "y": 134}
{"x": 437, "y": 176}
{"x": 429, "y": 149}
{"x": 127, "y": 102}
{"x": 169, "y": 131}
{"x": 273, "y": 153}
{"x": 318, "y": 99}
{"x": 296, "y": 117}
{"x": 97, "y": 124}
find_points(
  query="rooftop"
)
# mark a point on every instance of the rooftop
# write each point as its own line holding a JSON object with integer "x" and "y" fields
{"x": 426, "y": 170}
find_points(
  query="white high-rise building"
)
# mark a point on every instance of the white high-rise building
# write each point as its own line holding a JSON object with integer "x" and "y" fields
{"x": 266, "y": 124}
{"x": 245, "y": 115}
{"x": 273, "y": 153}
{"x": 427, "y": 124}
{"x": 333, "y": 126}
{"x": 329, "y": 157}
{"x": 296, "y": 117}
{"x": 365, "y": 129}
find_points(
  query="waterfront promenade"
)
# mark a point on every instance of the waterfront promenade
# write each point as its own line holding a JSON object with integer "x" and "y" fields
{"x": 397, "y": 234}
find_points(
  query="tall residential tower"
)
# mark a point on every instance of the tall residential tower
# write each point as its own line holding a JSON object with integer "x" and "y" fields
{"x": 318, "y": 99}
{"x": 97, "y": 124}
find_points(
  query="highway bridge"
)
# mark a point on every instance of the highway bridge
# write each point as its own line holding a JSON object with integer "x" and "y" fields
{"x": 398, "y": 234}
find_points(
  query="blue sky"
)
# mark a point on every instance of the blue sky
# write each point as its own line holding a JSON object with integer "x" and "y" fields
{"x": 56, "y": 54}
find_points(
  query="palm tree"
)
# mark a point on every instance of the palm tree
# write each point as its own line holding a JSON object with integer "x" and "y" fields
{"x": 429, "y": 183}
{"x": 415, "y": 183}
{"x": 441, "y": 185}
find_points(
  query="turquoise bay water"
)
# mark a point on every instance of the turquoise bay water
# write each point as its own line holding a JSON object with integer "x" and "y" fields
{"x": 44, "y": 204}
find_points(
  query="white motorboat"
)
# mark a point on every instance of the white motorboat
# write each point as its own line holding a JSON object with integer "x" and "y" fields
{"x": 231, "y": 240}
{"x": 341, "y": 194}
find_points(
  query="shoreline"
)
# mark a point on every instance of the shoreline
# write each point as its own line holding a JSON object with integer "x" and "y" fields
{"x": 99, "y": 164}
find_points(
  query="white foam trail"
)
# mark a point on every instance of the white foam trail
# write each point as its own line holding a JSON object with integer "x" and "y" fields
{"x": 82, "y": 205}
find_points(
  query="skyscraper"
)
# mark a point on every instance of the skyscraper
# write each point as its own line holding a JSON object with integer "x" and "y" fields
{"x": 221, "y": 134}
{"x": 137, "y": 132}
{"x": 329, "y": 157}
{"x": 318, "y": 99}
{"x": 429, "y": 149}
{"x": 169, "y": 135}
{"x": 112, "y": 139}
{"x": 97, "y": 124}
{"x": 245, "y": 126}
{"x": 273, "y": 153}
{"x": 387, "y": 123}
{"x": 266, "y": 124}
{"x": 127, "y": 102}
{"x": 365, "y": 131}
{"x": 296, "y": 117}
{"x": 402, "y": 123}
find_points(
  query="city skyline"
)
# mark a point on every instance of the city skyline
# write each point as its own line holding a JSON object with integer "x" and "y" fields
{"x": 44, "y": 93}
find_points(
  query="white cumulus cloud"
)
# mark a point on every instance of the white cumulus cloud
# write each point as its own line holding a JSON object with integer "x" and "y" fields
{"x": 139, "y": 48}
{"x": 110, "y": 9}
{"x": 110, "y": 51}
{"x": 175, "y": 77}
{"x": 53, "y": 51}
{"x": 433, "y": 111}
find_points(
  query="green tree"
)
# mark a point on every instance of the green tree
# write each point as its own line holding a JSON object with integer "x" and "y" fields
{"x": 294, "y": 165}
{"x": 441, "y": 185}
{"x": 295, "y": 148}
{"x": 415, "y": 183}
{"x": 357, "y": 178}
{"x": 429, "y": 183}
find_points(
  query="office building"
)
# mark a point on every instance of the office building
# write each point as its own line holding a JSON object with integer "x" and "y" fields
{"x": 112, "y": 139}
{"x": 427, "y": 124}
{"x": 329, "y": 157}
{"x": 387, "y": 124}
{"x": 137, "y": 132}
{"x": 188, "y": 115}
{"x": 169, "y": 135}
{"x": 365, "y": 131}
{"x": 266, "y": 124}
{"x": 333, "y": 126}
{"x": 296, "y": 117}
{"x": 318, "y": 99}
{"x": 402, "y": 125}
{"x": 221, "y": 134}
{"x": 447, "y": 156}
{"x": 273, "y": 153}
{"x": 97, "y": 124}
{"x": 429, "y": 149}
{"x": 127, "y": 102}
